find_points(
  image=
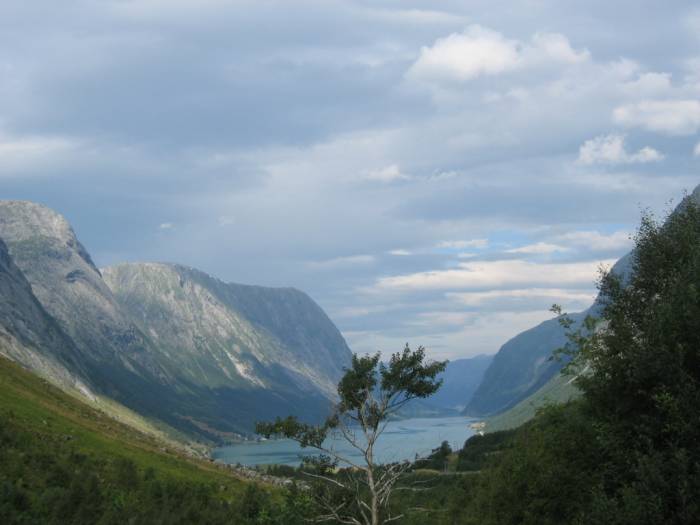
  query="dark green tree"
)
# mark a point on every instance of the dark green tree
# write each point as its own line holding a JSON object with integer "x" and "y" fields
{"x": 369, "y": 392}
{"x": 641, "y": 377}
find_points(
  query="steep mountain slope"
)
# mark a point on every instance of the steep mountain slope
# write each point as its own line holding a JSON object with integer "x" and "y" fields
{"x": 520, "y": 368}
{"x": 311, "y": 339}
{"x": 559, "y": 389}
{"x": 201, "y": 367}
{"x": 220, "y": 334}
{"x": 29, "y": 335}
{"x": 68, "y": 285}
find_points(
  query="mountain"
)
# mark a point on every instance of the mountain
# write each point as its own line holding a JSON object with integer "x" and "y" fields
{"x": 460, "y": 380}
{"x": 522, "y": 365}
{"x": 559, "y": 389}
{"x": 171, "y": 343}
{"x": 220, "y": 334}
{"x": 28, "y": 334}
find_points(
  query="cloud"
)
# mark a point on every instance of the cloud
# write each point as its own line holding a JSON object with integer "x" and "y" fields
{"x": 558, "y": 295}
{"x": 479, "y": 51}
{"x": 339, "y": 262}
{"x": 696, "y": 150}
{"x": 494, "y": 274}
{"x": 538, "y": 248}
{"x": 648, "y": 84}
{"x": 388, "y": 174}
{"x": 399, "y": 253}
{"x": 596, "y": 241}
{"x": 610, "y": 149}
{"x": 226, "y": 220}
{"x": 18, "y": 153}
{"x": 166, "y": 226}
{"x": 138, "y": 111}
{"x": 671, "y": 117}
{"x": 460, "y": 245}
{"x": 461, "y": 335}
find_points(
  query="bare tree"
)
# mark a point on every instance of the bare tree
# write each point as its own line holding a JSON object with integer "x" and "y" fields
{"x": 370, "y": 392}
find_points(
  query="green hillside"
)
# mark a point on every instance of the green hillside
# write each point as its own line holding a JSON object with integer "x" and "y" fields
{"x": 62, "y": 461}
{"x": 557, "y": 390}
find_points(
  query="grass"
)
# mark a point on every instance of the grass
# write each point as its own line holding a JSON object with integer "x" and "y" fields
{"x": 557, "y": 390}
{"x": 40, "y": 409}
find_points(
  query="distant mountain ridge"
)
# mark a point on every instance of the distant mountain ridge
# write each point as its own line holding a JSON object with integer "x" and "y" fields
{"x": 460, "y": 379}
{"x": 172, "y": 343}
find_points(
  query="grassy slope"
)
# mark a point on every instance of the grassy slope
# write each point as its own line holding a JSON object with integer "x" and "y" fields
{"x": 34, "y": 406}
{"x": 557, "y": 390}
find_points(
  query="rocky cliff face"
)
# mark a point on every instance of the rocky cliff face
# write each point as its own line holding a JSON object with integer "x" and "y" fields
{"x": 169, "y": 342}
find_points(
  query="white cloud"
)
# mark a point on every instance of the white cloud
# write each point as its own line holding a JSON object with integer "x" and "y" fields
{"x": 481, "y": 334}
{"x": 610, "y": 149}
{"x": 387, "y": 174}
{"x": 538, "y": 248}
{"x": 494, "y": 274}
{"x": 672, "y": 117}
{"x": 460, "y": 245}
{"x": 400, "y": 253}
{"x": 696, "y": 150}
{"x": 18, "y": 153}
{"x": 597, "y": 241}
{"x": 479, "y": 51}
{"x": 648, "y": 84}
{"x": 339, "y": 262}
{"x": 559, "y": 295}
{"x": 166, "y": 226}
{"x": 226, "y": 220}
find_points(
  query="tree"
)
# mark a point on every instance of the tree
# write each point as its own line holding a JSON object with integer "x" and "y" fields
{"x": 370, "y": 392}
{"x": 641, "y": 377}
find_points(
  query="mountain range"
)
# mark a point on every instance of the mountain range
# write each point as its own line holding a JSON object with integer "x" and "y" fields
{"x": 189, "y": 353}
{"x": 182, "y": 353}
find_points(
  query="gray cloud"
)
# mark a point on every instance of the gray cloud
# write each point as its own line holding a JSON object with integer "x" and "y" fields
{"x": 333, "y": 145}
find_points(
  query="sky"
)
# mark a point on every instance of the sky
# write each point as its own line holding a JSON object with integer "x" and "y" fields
{"x": 430, "y": 172}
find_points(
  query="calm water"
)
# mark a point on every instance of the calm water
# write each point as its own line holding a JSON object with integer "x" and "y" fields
{"x": 401, "y": 440}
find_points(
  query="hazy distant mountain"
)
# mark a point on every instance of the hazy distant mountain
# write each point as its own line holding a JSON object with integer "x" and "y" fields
{"x": 171, "y": 343}
{"x": 460, "y": 380}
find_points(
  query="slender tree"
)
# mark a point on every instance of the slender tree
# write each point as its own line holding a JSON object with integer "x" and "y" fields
{"x": 370, "y": 392}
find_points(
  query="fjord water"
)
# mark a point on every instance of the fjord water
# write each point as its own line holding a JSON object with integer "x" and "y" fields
{"x": 401, "y": 440}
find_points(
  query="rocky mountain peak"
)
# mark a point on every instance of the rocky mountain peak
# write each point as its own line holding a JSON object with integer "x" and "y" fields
{"x": 25, "y": 221}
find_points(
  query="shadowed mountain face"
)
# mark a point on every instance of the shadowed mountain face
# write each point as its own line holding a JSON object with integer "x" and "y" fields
{"x": 522, "y": 366}
{"x": 171, "y": 343}
{"x": 29, "y": 335}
